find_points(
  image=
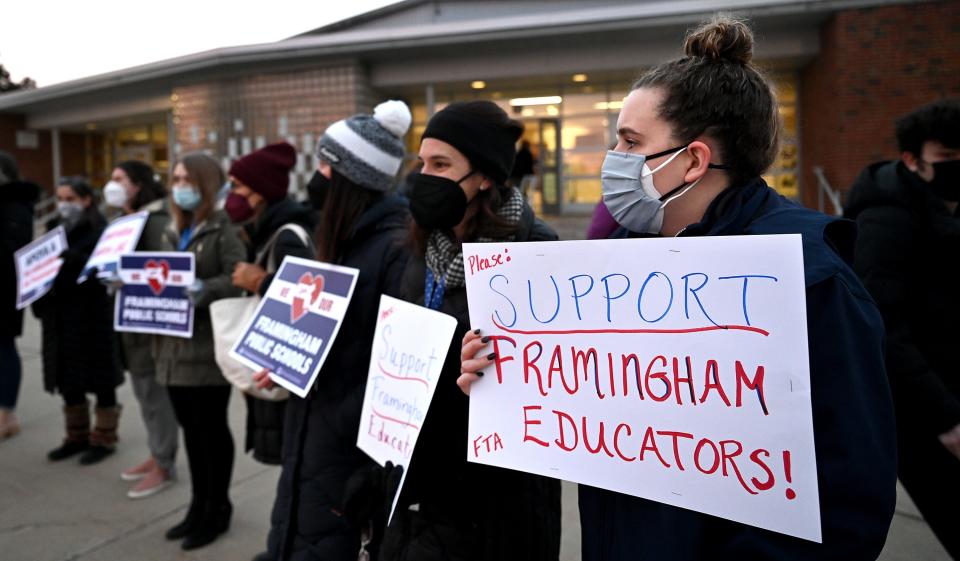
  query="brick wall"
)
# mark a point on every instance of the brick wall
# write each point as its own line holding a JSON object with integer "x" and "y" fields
{"x": 231, "y": 117}
{"x": 36, "y": 164}
{"x": 874, "y": 65}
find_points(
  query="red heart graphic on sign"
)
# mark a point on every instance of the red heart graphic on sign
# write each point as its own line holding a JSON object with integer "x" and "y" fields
{"x": 307, "y": 291}
{"x": 156, "y": 273}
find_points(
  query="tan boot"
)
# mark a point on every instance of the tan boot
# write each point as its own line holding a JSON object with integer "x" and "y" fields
{"x": 103, "y": 439}
{"x": 77, "y": 419}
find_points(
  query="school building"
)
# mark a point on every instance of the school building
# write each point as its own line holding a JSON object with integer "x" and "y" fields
{"x": 844, "y": 69}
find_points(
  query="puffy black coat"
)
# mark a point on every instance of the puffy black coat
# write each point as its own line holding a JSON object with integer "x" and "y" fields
{"x": 909, "y": 243}
{"x": 16, "y": 230}
{"x": 468, "y": 511}
{"x": 853, "y": 425}
{"x": 265, "y": 418}
{"x": 79, "y": 346}
{"x": 320, "y": 432}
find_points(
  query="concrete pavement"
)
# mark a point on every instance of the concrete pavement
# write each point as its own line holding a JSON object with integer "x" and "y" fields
{"x": 68, "y": 512}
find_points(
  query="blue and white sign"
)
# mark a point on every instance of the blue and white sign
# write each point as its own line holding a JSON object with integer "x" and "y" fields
{"x": 37, "y": 264}
{"x": 296, "y": 322}
{"x": 153, "y": 297}
{"x": 120, "y": 237}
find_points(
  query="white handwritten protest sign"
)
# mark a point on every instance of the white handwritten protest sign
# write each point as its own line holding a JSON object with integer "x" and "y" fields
{"x": 670, "y": 369}
{"x": 296, "y": 322}
{"x": 153, "y": 297}
{"x": 409, "y": 347}
{"x": 120, "y": 237}
{"x": 37, "y": 265}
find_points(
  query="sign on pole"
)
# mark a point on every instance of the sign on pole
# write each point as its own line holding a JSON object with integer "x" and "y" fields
{"x": 119, "y": 237}
{"x": 37, "y": 265}
{"x": 674, "y": 369}
{"x": 153, "y": 298}
{"x": 409, "y": 346}
{"x": 296, "y": 322}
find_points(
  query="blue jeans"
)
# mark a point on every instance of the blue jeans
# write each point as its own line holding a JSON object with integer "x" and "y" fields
{"x": 10, "y": 374}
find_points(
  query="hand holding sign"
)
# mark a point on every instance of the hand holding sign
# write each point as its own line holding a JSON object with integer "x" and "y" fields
{"x": 472, "y": 362}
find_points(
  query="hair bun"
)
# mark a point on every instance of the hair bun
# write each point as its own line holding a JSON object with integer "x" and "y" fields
{"x": 722, "y": 38}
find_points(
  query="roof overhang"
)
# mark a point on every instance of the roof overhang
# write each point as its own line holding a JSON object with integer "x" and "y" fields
{"x": 152, "y": 81}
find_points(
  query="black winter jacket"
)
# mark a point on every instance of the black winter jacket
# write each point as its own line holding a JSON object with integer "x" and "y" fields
{"x": 909, "y": 243}
{"x": 79, "y": 346}
{"x": 320, "y": 432}
{"x": 265, "y": 418}
{"x": 16, "y": 220}
{"x": 468, "y": 511}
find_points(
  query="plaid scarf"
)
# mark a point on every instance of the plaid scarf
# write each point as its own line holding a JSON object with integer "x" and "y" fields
{"x": 444, "y": 256}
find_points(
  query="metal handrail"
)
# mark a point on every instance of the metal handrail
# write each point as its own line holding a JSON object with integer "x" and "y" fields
{"x": 824, "y": 189}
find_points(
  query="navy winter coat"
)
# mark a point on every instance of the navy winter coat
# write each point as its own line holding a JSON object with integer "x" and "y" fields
{"x": 320, "y": 432}
{"x": 853, "y": 419}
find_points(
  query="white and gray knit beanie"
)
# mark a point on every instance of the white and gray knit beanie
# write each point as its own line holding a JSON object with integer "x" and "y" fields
{"x": 368, "y": 149}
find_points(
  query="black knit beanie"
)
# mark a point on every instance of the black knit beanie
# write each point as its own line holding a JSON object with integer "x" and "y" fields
{"x": 482, "y": 132}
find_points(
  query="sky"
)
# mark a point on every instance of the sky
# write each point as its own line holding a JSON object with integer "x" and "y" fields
{"x": 54, "y": 41}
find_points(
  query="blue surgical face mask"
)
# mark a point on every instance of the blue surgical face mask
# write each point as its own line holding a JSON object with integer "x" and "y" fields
{"x": 629, "y": 192}
{"x": 186, "y": 197}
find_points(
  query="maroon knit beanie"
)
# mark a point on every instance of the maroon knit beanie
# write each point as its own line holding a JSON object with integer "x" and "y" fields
{"x": 267, "y": 171}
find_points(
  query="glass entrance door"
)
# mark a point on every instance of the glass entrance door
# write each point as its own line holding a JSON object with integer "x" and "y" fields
{"x": 551, "y": 186}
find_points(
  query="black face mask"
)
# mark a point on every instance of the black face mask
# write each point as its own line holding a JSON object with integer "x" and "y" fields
{"x": 437, "y": 202}
{"x": 946, "y": 180}
{"x": 317, "y": 189}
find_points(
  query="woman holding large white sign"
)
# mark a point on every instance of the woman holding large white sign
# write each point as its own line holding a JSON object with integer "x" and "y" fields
{"x": 694, "y": 136}
{"x": 466, "y": 510}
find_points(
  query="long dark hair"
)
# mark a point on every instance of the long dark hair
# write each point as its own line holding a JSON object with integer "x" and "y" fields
{"x": 345, "y": 203}
{"x": 142, "y": 176}
{"x": 485, "y": 222}
{"x": 207, "y": 177}
{"x": 716, "y": 90}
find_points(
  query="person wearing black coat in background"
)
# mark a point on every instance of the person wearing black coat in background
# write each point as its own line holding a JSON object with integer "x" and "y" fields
{"x": 274, "y": 226}
{"x": 79, "y": 351}
{"x": 362, "y": 226}
{"x": 907, "y": 213}
{"x": 17, "y": 198}
{"x": 466, "y": 511}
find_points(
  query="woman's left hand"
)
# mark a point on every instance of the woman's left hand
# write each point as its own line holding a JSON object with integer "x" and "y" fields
{"x": 262, "y": 380}
{"x": 248, "y": 276}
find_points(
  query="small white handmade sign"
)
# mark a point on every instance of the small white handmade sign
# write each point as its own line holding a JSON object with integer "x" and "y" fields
{"x": 38, "y": 264}
{"x": 120, "y": 237}
{"x": 409, "y": 346}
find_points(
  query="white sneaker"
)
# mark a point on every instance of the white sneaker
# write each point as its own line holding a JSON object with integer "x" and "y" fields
{"x": 152, "y": 483}
{"x": 139, "y": 471}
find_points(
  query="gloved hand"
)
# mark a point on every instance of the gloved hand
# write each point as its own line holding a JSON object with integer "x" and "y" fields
{"x": 194, "y": 291}
{"x": 369, "y": 493}
{"x": 112, "y": 282}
